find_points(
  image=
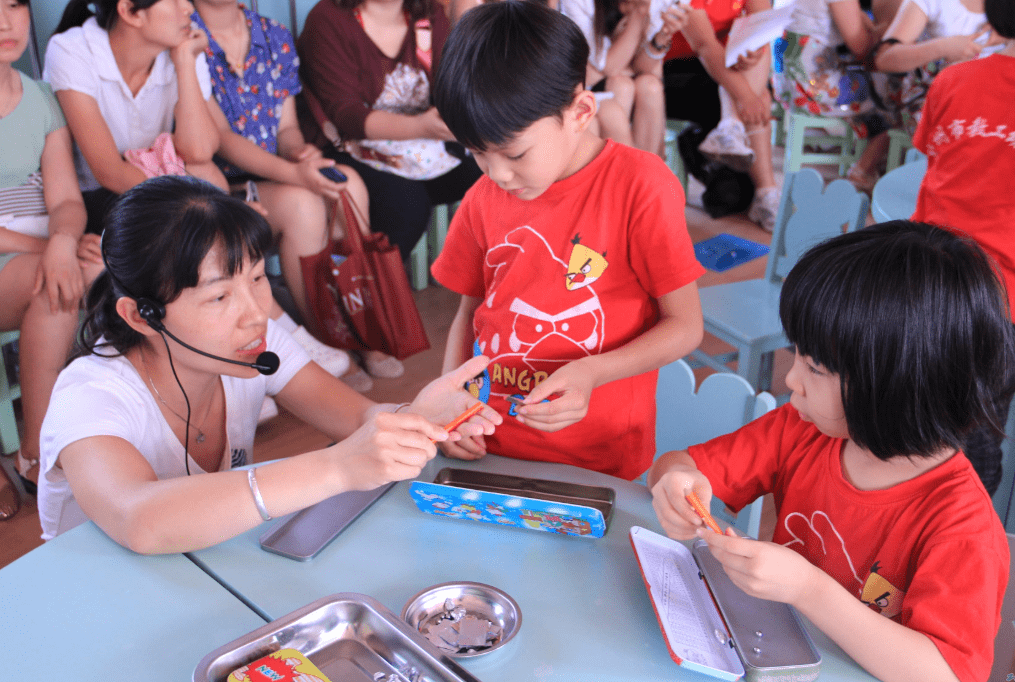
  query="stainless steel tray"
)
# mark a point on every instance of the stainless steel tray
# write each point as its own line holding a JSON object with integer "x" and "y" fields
{"x": 301, "y": 536}
{"x": 534, "y": 488}
{"x": 350, "y": 637}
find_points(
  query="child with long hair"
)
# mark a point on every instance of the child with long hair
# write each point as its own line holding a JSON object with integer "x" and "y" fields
{"x": 45, "y": 262}
{"x": 886, "y": 539}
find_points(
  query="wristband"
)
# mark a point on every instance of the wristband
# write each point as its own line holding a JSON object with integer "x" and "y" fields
{"x": 653, "y": 55}
{"x": 258, "y": 500}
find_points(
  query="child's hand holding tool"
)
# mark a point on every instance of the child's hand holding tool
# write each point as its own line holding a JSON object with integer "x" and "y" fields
{"x": 573, "y": 385}
{"x": 677, "y": 496}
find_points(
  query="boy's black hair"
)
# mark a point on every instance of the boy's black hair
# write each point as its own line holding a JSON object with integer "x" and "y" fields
{"x": 505, "y": 66}
{"x": 155, "y": 238}
{"x": 915, "y": 322}
{"x": 1001, "y": 17}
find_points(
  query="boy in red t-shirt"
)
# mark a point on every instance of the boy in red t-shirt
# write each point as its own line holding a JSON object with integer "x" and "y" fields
{"x": 886, "y": 540}
{"x": 572, "y": 257}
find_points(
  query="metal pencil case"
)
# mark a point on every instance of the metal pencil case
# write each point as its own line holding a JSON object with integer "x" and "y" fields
{"x": 350, "y": 637}
{"x": 768, "y": 636}
{"x": 529, "y": 503}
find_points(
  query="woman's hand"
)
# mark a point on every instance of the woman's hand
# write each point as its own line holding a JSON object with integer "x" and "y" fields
{"x": 90, "y": 249}
{"x": 434, "y": 127}
{"x": 962, "y": 48}
{"x": 193, "y": 45}
{"x": 445, "y": 398}
{"x": 669, "y": 499}
{"x": 309, "y": 163}
{"x": 60, "y": 274}
{"x": 675, "y": 18}
{"x": 763, "y": 569}
{"x": 752, "y": 110}
{"x": 749, "y": 59}
{"x": 388, "y": 447}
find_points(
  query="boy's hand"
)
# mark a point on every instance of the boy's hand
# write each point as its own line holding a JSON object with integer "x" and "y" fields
{"x": 763, "y": 569}
{"x": 469, "y": 448}
{"x": 963, "y": 48}
{"x": 669, "y": 499}
{"x": 573, "y": 383}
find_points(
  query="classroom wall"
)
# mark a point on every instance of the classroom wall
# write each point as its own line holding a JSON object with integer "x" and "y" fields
{"x": 46, "y": 15}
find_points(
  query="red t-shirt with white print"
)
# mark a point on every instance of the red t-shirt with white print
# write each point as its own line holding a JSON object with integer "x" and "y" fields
{"x": 572, "y": 273}
{"x": 929, "y": 553}
{"x": 968, "y": 133}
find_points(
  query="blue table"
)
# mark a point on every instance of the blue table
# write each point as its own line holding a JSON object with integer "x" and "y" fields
{"x": 894, "y": 195}
{"x": 81, "y": 607}
{"x": 585, "y": 612}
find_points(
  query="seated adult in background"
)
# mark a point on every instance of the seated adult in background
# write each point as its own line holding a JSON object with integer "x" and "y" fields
{"x": 968, "y": 133}
{"x": 138, "y": 413}
{"x": 255, "y": 79}
{"x": 45, "y": 264}
{"x": 926, "y": 36}
{"x": 813, "y": 74}
{"x": 742, "y": 139}
{"x": 369, "y": 64}
{"x": 627, "y": 42}
{"x": 124, "y": 75}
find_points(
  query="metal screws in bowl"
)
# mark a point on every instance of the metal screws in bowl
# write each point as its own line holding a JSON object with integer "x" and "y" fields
{"x": 464, "y": 619}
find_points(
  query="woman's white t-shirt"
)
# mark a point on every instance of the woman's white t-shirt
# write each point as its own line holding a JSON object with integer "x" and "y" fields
{"x": 105, "y": 396}
{"x": 948, "y": 18}
{"x": 814, "y": 18}
{"x": 82, "y": 60}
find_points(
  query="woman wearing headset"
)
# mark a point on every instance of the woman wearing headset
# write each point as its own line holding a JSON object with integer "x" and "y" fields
{"x": 185, "y": 261}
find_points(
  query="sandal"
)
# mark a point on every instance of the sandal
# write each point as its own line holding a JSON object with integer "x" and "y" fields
{"x": 357, "y": 380}
{"x": 10, "y": 501}
{"x": 28, "y": 472}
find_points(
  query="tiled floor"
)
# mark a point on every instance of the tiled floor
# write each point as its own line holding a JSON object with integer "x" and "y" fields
{"x": 285, "y": 435}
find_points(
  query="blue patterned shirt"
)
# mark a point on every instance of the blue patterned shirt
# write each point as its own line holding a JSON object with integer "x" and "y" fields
{"x": 252, "y": 101}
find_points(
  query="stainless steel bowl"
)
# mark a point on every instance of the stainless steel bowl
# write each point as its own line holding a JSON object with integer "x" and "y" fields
{"x": 464, "y": 619}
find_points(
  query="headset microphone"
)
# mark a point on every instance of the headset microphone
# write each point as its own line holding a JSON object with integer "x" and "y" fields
{"x": 266, "y": 363}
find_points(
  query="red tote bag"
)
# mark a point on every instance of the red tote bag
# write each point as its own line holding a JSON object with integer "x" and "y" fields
{"x": 359, "y": 292}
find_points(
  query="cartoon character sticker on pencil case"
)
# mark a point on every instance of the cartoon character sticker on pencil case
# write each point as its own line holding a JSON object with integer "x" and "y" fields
{"x": 507, "y": 510}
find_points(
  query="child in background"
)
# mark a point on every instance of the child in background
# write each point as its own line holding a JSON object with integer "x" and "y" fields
{"x": 886, "y": 539}
{"x": 968, "y": 125}
{"x": 572, "y": 256}
{"x": 812, "y": 75}
{"x": 623, "y": 61}
{"x": 255, "y": 79}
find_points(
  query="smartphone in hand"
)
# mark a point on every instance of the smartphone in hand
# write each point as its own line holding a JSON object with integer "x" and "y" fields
{"x": 334, "y": 174}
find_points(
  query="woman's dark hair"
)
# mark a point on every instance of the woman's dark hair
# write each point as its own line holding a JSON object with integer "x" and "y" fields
{"x": 914, "y": 319}
{"x": 1001, "y": 17}
{"x": 156, "y": 236}
{"x": 505, "y": 66}
{"x": 605, "y": 20}
{"x": 416, "y": 9}
{"x": 77, "y": 12}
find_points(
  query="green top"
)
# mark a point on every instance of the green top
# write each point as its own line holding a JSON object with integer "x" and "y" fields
{"x": 24, "y": 132}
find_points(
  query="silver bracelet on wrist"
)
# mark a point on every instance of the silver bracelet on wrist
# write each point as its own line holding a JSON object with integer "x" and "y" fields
{"x": 258, "y": 500}
{"x": 399, "y": 406}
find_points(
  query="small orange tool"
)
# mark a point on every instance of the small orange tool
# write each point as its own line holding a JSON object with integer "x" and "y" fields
{"x": 464, "y": 417}
{"x": 692, "y": 498}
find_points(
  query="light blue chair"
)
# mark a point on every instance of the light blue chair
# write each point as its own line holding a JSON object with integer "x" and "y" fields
{"x": 746, "y": 314}
{"x": 1003, "y": 502}
{"x": 722, "y": 404}
{"x": 10, "y": 442}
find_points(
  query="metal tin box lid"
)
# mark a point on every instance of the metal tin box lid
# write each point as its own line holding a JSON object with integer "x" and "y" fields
{"x": 768, "y": 636}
